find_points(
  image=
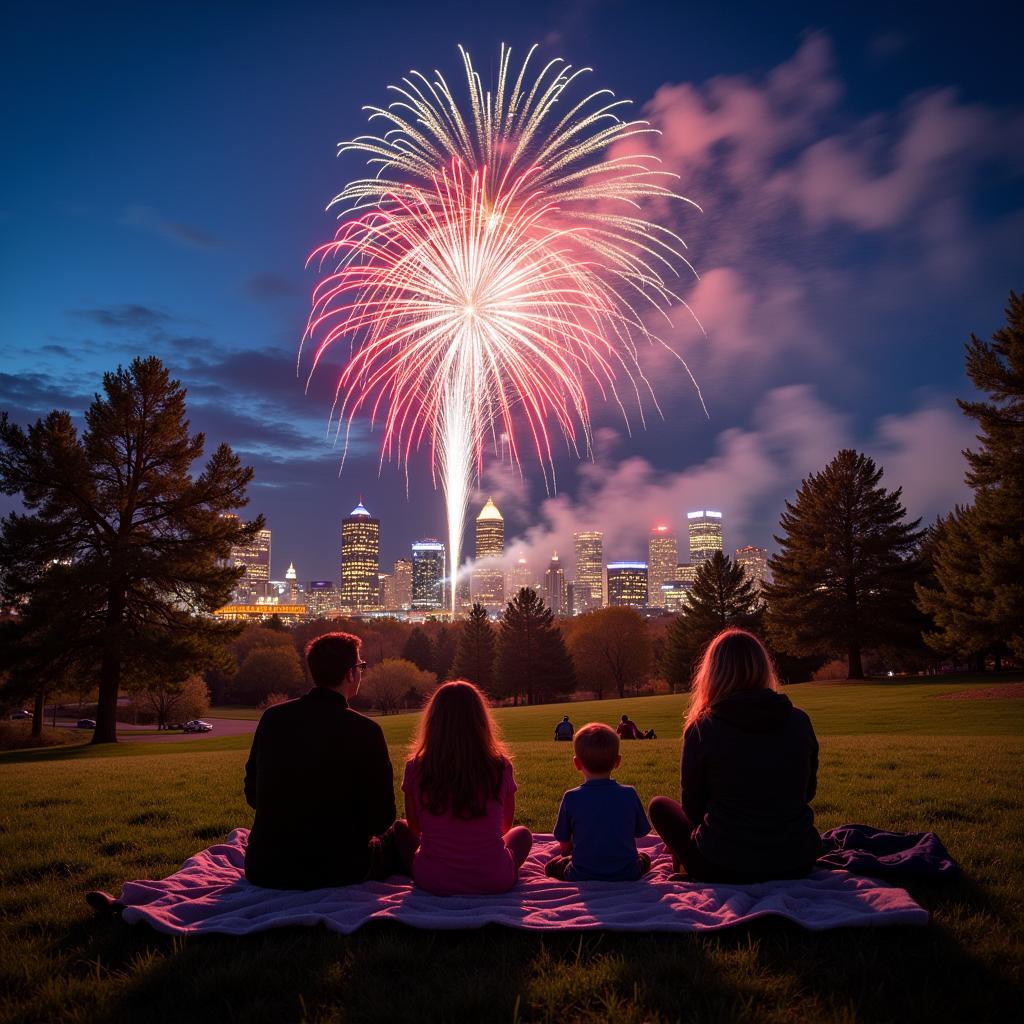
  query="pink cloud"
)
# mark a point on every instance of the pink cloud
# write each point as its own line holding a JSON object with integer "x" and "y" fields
{"x": 750, "y": 474}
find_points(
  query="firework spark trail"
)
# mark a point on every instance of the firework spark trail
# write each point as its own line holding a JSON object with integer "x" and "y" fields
{"x": 491, "y": 270}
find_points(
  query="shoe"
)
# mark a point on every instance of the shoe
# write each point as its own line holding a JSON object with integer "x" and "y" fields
{"x": 102, "y": 903}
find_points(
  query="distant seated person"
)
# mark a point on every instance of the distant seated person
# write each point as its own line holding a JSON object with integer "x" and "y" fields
{"x": 319, "y": 778}
{"x": 564, "y": 729}
{"x": 628, "y": 730}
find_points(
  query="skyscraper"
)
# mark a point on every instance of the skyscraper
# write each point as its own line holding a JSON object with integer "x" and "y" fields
{"x": 662, "y": 557}
{"x": 254, "y": 557}
{"x": 755, "y": 565}
{"x": 321, "y": 599}
{"x": 705, "y": 526}
{"x": 488, "y": 581}
{"x": 402, "y": 585}
{"x": 627, "y": 584}
{"x": 588, "y": 592}
{"x": 360, "y": 560}
{"x": 519, "y": 575}
{"x": 292, "y": 582}
{"x": 428, "y": 568}
{"x": 555, "y": 596}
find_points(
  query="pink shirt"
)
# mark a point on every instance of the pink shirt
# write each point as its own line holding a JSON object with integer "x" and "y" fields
{"x": 461, "y": 856}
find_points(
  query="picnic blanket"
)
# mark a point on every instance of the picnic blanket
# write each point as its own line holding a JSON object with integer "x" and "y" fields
{"x": 866, "y": 850}
{"x": 210, "y": 894}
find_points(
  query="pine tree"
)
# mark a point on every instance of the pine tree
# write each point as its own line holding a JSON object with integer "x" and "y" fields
{"x": 532, "y": 661}
{"x": 474, "y": 656}
{"x": 419, "y": 650}
{"x": 117, "y": 529}
{"x": 723, "y": 595}
{"x": 843, "y": 578}
{"x": 952, "y": 596}
{"x": 445, "y": 642}
{"x": 983, "y": 547}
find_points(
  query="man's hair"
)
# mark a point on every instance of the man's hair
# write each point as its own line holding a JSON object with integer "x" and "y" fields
{"x": 331, "y": 657}
{"x": 625, "y": 718}
{"x": 597, "y": 746}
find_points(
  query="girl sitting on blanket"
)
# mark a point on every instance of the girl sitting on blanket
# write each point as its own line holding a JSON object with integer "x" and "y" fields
{"x": 749, "y": 771}
{"x": 460, "y": 800}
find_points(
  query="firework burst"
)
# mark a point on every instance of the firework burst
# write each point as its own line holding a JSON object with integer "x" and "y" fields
{"x": 492, "y": 272}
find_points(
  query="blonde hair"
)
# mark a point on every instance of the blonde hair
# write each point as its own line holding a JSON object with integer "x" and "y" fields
{"x": 734, "y": 662}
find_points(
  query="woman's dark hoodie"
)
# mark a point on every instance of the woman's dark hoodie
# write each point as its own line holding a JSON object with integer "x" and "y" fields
{"x": 749, "y": 771}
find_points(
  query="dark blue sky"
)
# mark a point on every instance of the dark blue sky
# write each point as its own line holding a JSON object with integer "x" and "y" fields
{"x": 166, "y": 171}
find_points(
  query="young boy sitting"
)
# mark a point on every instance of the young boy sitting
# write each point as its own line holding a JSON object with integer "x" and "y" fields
{"x": 599, "y": 822}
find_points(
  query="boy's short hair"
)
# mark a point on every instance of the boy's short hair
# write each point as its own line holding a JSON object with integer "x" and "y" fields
{"x": 597, "y": 747}
{"x": 331, "y": 657}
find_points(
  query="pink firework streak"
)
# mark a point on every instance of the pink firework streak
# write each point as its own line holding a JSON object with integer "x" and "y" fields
{"x": 486, "y": 277}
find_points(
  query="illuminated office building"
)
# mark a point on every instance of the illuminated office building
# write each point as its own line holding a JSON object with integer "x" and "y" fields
{"x": 321, "y": 599}
{"x": 401, "y": 577}
{"x": 360, "y": 560}
{"x": 291, "y": 578}
{"x": 428, "y": 568}
{"x": 627, "y": 584}
{"x": 675, "y": 595}
{"x": 254, "y": 557}
{"x": 705, "y": 528}
{"x": 686, "y": 573}
{"x": 555, "y": 592}
{"x": 662, "y": 558}
{"x": 755, "y": 564}
{"x": 488, "y": 581}
{"x": 588, "y": 590}
{"x": 520, "y": 575}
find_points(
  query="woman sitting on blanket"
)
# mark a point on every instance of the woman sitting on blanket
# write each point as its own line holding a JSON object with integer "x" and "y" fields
{"x": 749, "y": 771}
{"x": 460, "y": 800}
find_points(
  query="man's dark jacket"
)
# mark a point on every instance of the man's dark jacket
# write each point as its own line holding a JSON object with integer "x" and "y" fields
{"x": 320, "y": 780}
{"x": 749, "y": 772}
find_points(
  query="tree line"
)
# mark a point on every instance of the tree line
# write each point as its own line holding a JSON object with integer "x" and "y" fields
{"x": 121, "y": 549}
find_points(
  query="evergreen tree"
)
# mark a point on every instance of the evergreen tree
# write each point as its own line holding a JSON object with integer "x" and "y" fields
{"x": 474, "y": 656}
{"x": 723, "y": 595}
{"x": 445, "y": 641}
{"x": 532, "y": 663}
{"x": 120, "y": 535}
{"x": 978, "y": 598}
{"x": 419, "y": 650}
{"x": 843, "y": 578}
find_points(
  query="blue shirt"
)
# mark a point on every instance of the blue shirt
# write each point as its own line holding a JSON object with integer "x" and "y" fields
{"x": 602, "y": 820}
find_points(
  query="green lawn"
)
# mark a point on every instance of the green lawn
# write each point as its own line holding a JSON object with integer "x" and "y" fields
{"x": 891, "y": 755}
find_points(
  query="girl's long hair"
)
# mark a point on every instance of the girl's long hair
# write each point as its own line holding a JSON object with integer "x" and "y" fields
{"x": 458, "y": 753}
{"x": 734, "y": 662}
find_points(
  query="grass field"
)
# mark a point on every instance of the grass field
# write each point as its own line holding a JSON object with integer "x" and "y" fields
{"x": 891, "y": 755}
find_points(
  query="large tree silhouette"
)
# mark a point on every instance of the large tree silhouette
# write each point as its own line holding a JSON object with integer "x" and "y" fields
{"x": 117, "y": 531}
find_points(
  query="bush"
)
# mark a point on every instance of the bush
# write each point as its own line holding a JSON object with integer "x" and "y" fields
{"x": 396, "y": 683}
{"x": 268, "y": 670}
{"x": 274, "y": 698}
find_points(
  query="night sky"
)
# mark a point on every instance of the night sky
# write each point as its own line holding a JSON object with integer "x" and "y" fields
{"x": 166, "y": 171}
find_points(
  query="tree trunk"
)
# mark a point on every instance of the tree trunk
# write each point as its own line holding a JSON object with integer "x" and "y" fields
{"x": 110, "y": 673}
{"x": 855, "y": 668}
{"x": 38, "y": 709}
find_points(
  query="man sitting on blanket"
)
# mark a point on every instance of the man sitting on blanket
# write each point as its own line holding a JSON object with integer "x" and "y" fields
{"x": 319, "y": 778}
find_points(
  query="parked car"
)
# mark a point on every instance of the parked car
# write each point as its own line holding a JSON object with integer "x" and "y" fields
{"x": 197, "y": 725}
{"x": 19, "y": 715}
{"x": 86, "y": 723}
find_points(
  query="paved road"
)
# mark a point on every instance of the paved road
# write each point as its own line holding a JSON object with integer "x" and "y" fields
{"x": 221, "y": 727}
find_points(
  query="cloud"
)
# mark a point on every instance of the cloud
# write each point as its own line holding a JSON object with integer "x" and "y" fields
{"x": 128, "y": 316}
{"x": 817, "y": 220}
{"x": 750, "y": 474}
{"x": 269, "y": 287}
{"x": 146, "y": 218}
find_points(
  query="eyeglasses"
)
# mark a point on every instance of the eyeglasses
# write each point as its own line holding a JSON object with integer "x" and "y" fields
{"x": 361, "y": 665}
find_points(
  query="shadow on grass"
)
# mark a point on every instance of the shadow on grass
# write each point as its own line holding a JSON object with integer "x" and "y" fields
{"x": 387, "y": 972}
